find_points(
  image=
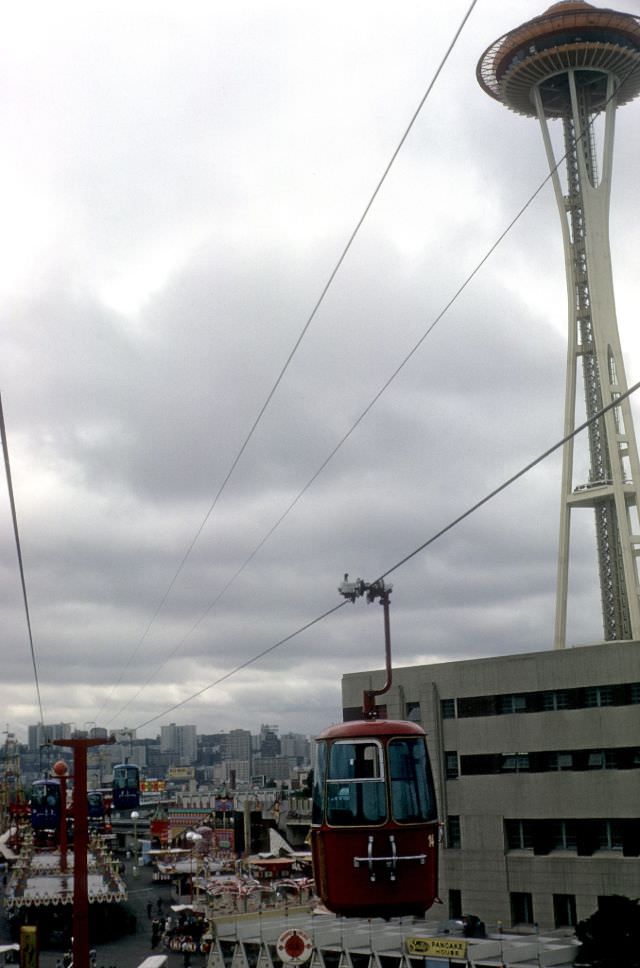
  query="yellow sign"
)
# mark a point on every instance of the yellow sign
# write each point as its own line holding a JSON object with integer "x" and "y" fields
{"x": 438, "y": 947}
{"x": 28, "y": 947}
{"x": 181, "y": 772}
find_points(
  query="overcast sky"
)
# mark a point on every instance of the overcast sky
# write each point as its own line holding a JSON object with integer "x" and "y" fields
{"x": 177, "y": 184}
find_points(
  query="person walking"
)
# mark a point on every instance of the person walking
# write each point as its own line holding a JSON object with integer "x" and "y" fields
{"x": 149, "y": 909}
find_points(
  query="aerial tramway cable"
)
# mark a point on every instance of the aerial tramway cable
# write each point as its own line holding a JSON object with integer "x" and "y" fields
{"x": 356, "y": 423}
{"x": 421, "y": 547}
{"x": 385, "y": 386}
{"x": 293, "y": 351}
{"x": 342, "y": 440}
{"x": 14, "y": 518}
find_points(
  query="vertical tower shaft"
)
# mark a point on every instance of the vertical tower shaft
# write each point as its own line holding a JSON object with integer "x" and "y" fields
{"x": 576, "y": 63}
{"x": 611, "y": 488}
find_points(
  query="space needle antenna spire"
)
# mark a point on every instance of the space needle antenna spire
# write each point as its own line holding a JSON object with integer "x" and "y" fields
{"x": 573, "y": 63}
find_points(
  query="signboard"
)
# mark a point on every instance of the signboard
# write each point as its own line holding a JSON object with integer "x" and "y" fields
{"x": 437, "y": 947}
{"x": 152, "y": 786}
{"x": 181, "y": 772}
{"x": 294, "y": 947}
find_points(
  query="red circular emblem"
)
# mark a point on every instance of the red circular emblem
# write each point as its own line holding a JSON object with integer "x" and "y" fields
{"x": 294, "y": 947}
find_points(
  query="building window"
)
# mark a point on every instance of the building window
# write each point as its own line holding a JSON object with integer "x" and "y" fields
{"x": 564, "y": 910}
{"x": 412, "y": 712}
{"x": 477, "y": 706}
{"x": 521, "y": 907}
{"x": 518, "y": 834}
{"x": 515, "y": 763}
{"x": 453, "y": 832}
{"x": 598, "y": 696}
{"x": 555, "y": 699}
{"x": 560, "y": 761}
{"x": 451, "y": 764}
{"x": 609, "y": 835}
{"x": 614, "y": 760}
{"x": 455, "y": 903}
{"x": 563, "y": 835}
{"x": 448, "y": 708}
{"x": 512, "y": 703}
{"x": 621, "y": 694}
{"x": 485, "y": 764}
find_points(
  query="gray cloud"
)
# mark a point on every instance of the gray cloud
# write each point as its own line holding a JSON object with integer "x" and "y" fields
{"x": 182, "y": 185}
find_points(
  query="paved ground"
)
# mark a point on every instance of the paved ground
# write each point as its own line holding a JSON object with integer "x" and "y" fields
{"x": 130, "y": 950}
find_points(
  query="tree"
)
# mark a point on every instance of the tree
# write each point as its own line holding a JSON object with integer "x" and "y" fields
{"x": 611, "y": 936}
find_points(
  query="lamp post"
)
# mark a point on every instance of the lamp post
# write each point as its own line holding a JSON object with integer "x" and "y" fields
{"x": 194, "y": 839}
{"x": 61, "y": 771}
{"x": 135, "y": 816}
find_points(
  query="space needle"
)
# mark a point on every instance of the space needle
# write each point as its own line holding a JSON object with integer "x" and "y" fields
{"x": 576, "y": 63}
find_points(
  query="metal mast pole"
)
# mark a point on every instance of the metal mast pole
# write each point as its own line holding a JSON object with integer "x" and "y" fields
{"x": 377, "y": 589}
{"x": 574, "y": 63}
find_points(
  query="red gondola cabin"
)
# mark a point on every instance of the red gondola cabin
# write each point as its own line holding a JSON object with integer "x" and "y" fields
{"x": 374, "y": 828}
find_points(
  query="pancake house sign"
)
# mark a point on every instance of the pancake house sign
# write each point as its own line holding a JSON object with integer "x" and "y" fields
{"x": 436, "y": 947}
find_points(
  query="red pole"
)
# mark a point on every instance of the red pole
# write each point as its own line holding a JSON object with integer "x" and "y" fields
{"x": 61, "y": 771}
{"x": 80, "y": 864}
{"x": 63, "y": 823}
{"x": 80, "y": 846}
{"x": 369, "y": 701}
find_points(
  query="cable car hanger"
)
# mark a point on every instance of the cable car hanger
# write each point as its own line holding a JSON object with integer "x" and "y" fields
{"x": 374, "y": 823}
{"x": 373, "y": 590}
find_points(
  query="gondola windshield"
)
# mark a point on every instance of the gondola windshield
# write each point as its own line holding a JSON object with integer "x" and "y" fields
{"x": 412, "y": 799}
{"x": 355, "y": 787}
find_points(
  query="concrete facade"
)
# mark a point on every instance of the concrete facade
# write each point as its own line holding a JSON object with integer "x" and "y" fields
{"x": 181, "y": 742}
{"x": 536, "y": 761}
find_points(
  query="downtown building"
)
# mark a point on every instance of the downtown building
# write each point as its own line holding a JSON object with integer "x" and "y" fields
{"x": 180, "y": 742}
{"x": 536, "y": 763}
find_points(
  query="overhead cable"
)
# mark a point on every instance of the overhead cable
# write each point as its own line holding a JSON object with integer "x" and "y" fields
{"x": 244, "y": 665}
{"x": 375, "y": 398}
{"x": 385, "y": 386}
{"x": 16, "y": 533}
{"x": 425, "y": 544}
{"x": 296, "y": 346}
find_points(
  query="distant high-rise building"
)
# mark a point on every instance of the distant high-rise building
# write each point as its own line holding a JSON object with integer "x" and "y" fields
{"x": 238, "y": 745}
{"x": 272, "y": 767}
{"x": 269, "y": 742}
{"x": 237, "y": 772}
{"x": 181, "y": 742}
{"x": 295, "y": 746}
{"x": 41, "y": 733}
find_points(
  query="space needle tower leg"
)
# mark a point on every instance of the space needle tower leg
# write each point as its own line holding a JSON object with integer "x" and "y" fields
{"x": 576, "y": 63}
{"x": 612, "y": 487}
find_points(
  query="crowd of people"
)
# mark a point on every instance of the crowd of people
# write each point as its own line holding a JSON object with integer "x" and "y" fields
{"x": 184, "y": 932}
